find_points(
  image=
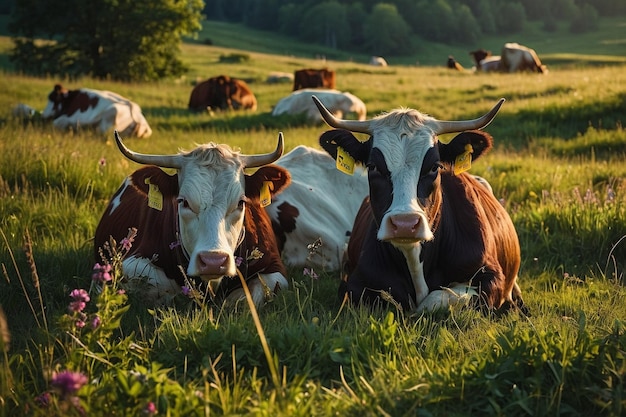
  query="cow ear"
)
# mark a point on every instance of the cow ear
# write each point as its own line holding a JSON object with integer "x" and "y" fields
{"x": 481, "y": 142}
{"x": 279, "y": 178}
{"x": 333, "y": 139}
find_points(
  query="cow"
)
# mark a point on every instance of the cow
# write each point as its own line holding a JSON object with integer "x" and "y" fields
{"x": 279, "y": 78}
{"x": 222, "y": 93}
{"x": 104, "y": 110}
{"x": 311, "y": 219}
{"x": 428, "y": 229}
{"x": 205, "y": 221}
{"x": 485, "y": 61}
{"x": 24, "y": 112}
{"x": 378, "y": 61}
{"x": 314, "y": 78}
{"x": 516, "y": 57}
{"x": 453, "y": 64}
{"x": 338, "y": 102}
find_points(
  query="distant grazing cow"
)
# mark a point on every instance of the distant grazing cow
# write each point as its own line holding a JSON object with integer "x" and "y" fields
{"x": 101, "y": 109}
{"x": 314, "y": 78}
{"x": 205, "y": 221}
{"x": 427, "y": 229}
{"x": 314, "y": 215}
{"x": 485, "y": 61}
{"x": 378, "y": 61}
{"x": 516, "y": 57}
{"x": 339, "y": 103}
{"x": 222, "y": 93}
{"x": 279, "y": 78}
{"x": 453, "y": 64}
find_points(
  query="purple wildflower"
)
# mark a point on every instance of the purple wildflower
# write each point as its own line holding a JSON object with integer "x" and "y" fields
{"x": 43, "y": 400}
{"x": 310, "y": 272}
{"x": 68, "y": 382}
{"x": 95, "y": 322}
{"x": 101, "y": 273}
{"x": 186, "y": 291}
{"x": 238, "y": 260}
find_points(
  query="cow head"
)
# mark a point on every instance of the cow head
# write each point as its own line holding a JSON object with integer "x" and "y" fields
{"x": 404, "y": 158}
{"x": 55, "y": 102}
{"x": 213, "y": 192}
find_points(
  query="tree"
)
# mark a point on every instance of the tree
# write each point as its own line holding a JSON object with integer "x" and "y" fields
{"x": 126, "y": 40}
{"x": 326, "y": 24}
{"x": 386, "y": 32}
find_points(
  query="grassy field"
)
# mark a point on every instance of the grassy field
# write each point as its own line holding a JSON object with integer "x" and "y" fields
{"x": 558, "y": 166}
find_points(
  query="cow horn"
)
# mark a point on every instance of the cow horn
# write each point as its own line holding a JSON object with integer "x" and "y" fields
{"x": 252, "y": 161}
{"x": 361, "y": 126}
{"x": 442, "y": 126}
{"x": 164, "y": 161}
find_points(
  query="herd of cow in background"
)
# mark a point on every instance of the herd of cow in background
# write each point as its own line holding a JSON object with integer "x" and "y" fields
{"x": 384, "y": 211}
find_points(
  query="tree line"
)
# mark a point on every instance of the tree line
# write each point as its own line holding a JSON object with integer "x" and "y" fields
{"x": 139, "y": 40}
{"x": 395, "y": 27}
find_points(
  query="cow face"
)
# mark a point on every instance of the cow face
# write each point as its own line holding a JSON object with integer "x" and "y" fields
{"x": 213, "y": 192}
{"x": 404, "y": 156}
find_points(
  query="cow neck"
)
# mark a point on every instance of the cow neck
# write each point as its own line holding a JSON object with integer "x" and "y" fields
{"x": 181, "y": 253}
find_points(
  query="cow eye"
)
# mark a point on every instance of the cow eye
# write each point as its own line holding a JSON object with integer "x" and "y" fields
{"x": 436, "y": 167}
{"x": 241, "y": 204}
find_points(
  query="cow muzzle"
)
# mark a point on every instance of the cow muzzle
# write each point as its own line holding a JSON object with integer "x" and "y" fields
{"x": 214, "y": 264}
{"x": 404, "y": 228}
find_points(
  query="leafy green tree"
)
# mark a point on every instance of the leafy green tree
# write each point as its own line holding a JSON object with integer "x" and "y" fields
{"x": 587, "y": 19}
{"x": 511, "y": 18}
{"x": 326, "y": 23}
{"x": 127, "y": 40}
{"x": 386, "y": 32}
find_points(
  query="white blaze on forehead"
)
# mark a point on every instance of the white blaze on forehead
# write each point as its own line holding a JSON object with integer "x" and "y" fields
{"x": 404, "y": 155}
{"x": 213, "y": 193}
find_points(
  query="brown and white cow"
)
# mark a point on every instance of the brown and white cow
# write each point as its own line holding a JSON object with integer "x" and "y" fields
{"x": 103, "y": 110}
{"x": 312, "y": 220}
{"x": 314, "y": 78}
{"x": 207, "y": 219}
{"x": 222, "y": 93}
{"x": 425, "y": 232}
{"x": 486, "y": 62}
{"x": 516, "y": 57}
{"x": 378, "y": 61}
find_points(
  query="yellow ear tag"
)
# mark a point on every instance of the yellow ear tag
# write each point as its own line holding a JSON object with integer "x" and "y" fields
{"x": 345, "y": 162}
{"x": 463, "y": 162}
{"x": 266, "y": 196}
{"x": 155, "y": 198}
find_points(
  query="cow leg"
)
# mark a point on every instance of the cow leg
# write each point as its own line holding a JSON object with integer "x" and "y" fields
{"x": 149, "y": 281}
{"x": 459, "y": 293}
{"x": 260, "y": 288}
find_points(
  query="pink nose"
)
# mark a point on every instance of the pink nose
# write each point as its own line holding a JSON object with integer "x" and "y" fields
{"x": 404, "y": 226}
{"x": 212, "y": 263}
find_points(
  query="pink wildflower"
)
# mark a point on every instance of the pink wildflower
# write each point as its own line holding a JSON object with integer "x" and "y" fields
{"x": 101, "y": 273}
{"x": 102, "y": 162}
{"x": 68, "y": 382}
{"x": 150, "y": 409}
{"x": 79, "y": 324}
{"x": 76, "y": 306}
{"x": 95, "y": 322}
{"x": 126, "y": 244}
{"x": 80, "y": 295}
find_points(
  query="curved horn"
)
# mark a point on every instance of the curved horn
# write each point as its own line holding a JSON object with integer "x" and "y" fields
{"x": 361, "y": 126}
{"x": 165, "y": 161}
{"x": 442, "y": 126}
{"x": 252, "y": 161}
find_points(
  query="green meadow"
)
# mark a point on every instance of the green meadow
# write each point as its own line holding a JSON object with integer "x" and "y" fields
{"x": 558, "y": 166}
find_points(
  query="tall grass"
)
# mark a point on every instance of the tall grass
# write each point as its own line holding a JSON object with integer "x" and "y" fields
{"x": 558, "y": 167}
